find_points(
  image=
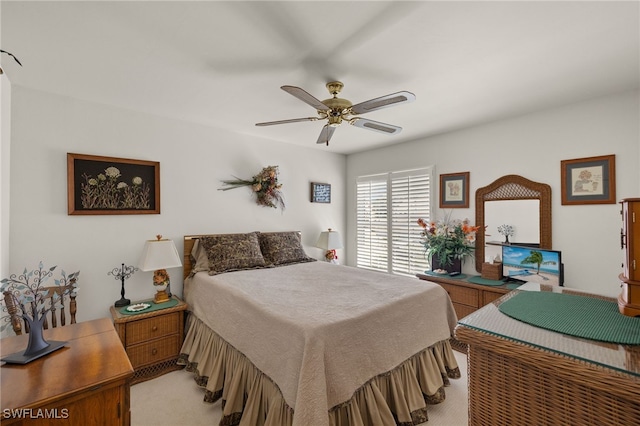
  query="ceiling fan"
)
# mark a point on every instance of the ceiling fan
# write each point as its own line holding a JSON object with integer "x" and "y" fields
{"x": 336, "y": 110}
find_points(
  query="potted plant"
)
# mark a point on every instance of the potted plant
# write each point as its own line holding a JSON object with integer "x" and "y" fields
{"x": 447, "y": 242}
{"x": 28, "y": 294}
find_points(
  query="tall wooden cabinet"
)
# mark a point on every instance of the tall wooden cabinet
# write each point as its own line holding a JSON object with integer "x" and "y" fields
{"x": 629, "y": 299}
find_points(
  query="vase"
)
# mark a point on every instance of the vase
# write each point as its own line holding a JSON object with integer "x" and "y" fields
{"x": 36, "y": 339}
{"x": 506, "y": 239}
{"x": 455, "y": 266}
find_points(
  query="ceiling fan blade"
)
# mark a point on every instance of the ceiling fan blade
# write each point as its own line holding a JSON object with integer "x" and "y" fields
{"x": 305, "y": 97}
{"x": 325, "y": 134}
{"x": 383, "y": 102}
{"x": 377, "y": 126}
{"x": 293, "y": 120}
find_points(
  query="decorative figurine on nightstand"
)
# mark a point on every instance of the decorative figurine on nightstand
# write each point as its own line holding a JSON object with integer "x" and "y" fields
{"x": 124, "y": 273}
{"x": 158, "y": 255}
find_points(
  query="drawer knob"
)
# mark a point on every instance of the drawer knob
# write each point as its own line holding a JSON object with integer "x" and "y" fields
{"x": 154, "y": 328}
{"x": 154, "y": 351}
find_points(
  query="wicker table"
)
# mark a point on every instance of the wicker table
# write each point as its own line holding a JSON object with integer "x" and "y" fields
{"x": 521, "y": 374}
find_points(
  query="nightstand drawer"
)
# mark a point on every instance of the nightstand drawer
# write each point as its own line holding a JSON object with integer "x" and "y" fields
{"x": 463, "y": 295}
{"x": 154, "y": 351}
{"x": 152, "y": 328}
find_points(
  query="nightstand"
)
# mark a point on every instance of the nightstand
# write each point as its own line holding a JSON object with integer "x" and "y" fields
{"x": 152, "y": 339}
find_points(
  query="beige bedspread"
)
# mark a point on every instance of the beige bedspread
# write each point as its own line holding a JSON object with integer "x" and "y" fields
{"x": 318, "y": 330}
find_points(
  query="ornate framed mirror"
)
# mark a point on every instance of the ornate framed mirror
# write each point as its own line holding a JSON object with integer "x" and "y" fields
{"x": 510, "y": 188}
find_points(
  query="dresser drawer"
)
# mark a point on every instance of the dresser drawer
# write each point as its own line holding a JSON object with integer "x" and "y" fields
{"x": 490, "y": 296}
{"x": 154, "y": 351}
{"x": 152, "y": 328}
{"x": 462, "y": 295}
{"x": 463, "y": 310}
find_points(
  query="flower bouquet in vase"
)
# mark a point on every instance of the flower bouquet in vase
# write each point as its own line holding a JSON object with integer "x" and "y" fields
{"x": 447, "y": 242}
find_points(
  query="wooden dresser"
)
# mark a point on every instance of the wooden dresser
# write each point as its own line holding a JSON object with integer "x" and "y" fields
{"x": 467, "y": 297}
{"x": 152, "y": 340}
{"x": 84, "y": 383}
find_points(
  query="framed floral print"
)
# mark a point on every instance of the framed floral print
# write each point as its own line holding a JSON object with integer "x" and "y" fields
{"x": 99, "y": 185}
{"x": 590, "y": 180}
{"x": 454, "y": 190}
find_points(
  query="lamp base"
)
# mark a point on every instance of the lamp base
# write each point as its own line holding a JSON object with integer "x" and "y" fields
{"x": 161, "y": 297}
{"x": 122, "y": 302}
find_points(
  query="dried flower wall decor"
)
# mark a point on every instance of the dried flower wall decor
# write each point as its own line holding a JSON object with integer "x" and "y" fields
{"x": 108, "y": 185}
{"x": 264, "y": 185}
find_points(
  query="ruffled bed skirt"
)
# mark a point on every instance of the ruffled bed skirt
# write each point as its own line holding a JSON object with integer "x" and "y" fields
{"x": 250, "y": 398}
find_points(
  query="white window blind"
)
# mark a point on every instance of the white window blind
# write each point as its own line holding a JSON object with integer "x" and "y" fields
{"x": 388, "y": 207}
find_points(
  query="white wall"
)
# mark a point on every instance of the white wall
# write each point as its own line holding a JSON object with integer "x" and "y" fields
{"x": 193, "y": 160}
{"x": 5, "y": 149}
{"x": 533, "y": 146}
{"x": 5, "y": 134}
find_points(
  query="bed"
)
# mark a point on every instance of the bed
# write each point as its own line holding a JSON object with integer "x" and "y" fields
{"x": 286, "y": 340}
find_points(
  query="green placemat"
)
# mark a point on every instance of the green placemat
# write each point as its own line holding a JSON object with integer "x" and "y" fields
{"x": 513, "y": 286}
{"x": 455, "y": 277}
{"x": 483, "y": 281}
{"x": 579, "y": 316}
{"x": 154, "y": 307}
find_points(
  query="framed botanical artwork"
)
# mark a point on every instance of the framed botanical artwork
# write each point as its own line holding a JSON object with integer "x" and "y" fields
{"x": 320, "y": 192}
{"x": 590, "y": 180}
{"x": 107, "y": 185}
{"x": 454, "y": 190}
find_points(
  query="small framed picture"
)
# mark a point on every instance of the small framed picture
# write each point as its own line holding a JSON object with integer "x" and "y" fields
{"x": 454, "y": 190}
{"x": 590, "y": 180}
{"x": 320, "y": 192}
{"x": 107, "y": 185}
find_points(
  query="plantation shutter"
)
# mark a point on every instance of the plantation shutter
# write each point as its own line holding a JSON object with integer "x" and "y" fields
{"x": 409, "y": 201}
{"x": 372, "y": 223}
{"x": 388, "y": 207}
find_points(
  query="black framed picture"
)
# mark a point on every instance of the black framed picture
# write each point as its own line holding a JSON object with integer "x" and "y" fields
{"x": 454, "y": 190}
{"x": 590, "y": 180}
{"x": 320, "y": 192}
{"x": 109, "y": 185}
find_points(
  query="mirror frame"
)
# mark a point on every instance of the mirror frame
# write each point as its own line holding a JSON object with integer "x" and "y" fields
{"x": 513, "y": 187}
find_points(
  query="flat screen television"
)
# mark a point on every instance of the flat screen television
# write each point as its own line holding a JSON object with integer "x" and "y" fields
{"x": 522, "y": 264}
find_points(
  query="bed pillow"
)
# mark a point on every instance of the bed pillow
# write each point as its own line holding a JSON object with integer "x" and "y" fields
{"x": 199, "y": 259}
{"x": 281, "y": 248}
{"x": 232, "y": 252}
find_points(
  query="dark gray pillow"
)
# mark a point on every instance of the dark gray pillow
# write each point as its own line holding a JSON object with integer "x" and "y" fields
{"x": 280, "y": 248}
{"x": 232, "y": 252}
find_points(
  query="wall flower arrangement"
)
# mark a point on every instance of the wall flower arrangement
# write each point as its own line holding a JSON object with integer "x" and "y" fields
{"x": 264, "y": 185}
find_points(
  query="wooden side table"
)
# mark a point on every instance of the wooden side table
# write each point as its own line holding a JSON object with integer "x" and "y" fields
{"x": 84, "y": 383}
{"x": 152, "y": 339}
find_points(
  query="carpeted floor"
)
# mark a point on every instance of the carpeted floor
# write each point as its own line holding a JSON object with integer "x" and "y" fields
{"x": 175, "y": 399}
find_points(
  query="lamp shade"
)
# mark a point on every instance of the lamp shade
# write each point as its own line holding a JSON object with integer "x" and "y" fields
{"x": 329, "y": 240}
{"x": 159, "y": 254}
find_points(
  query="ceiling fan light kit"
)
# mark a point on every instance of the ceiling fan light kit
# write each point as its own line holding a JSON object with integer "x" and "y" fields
{"x": 336, "y": 110}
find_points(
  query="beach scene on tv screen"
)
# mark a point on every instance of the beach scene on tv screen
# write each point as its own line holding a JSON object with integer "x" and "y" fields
{"x": 530, "y": 264}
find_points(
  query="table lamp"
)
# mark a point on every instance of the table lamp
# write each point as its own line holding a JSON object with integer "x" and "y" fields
{"x": 157, "y": 256}
{"x": 330, "y": 241}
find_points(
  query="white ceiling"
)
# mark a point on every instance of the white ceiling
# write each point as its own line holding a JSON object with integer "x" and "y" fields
{"x": 222, "y": 63}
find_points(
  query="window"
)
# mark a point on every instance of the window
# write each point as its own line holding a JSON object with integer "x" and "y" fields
{"x": 388, "y": 206}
